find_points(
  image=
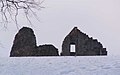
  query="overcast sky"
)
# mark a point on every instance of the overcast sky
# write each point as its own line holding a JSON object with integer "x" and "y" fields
{"x": 97, "y": 18}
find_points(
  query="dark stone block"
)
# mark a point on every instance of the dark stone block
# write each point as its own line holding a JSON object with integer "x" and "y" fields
{"x": 72, "y": 54}
{"x": 84, "y": 45}
{"x": 47, "y": 50}
{"x": 25, "y": 45}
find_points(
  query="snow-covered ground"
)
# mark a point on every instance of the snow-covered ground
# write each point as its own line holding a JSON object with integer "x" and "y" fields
{"x": 94, "y": 65}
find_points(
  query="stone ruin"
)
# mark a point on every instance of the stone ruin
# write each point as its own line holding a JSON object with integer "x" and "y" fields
{"x": 25, "y": 45}
{"x": 84, "y": 46}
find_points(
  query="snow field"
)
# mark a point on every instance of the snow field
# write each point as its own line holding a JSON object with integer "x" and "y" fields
{"x": 82, "y": 65}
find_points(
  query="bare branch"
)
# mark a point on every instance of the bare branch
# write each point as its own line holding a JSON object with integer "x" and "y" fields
{"x": 10, "y": 8}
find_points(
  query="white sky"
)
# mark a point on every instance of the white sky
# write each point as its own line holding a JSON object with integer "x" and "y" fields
{"x": 97, "y": 18}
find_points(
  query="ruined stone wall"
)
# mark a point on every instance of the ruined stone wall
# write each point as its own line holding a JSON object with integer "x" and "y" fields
{"x": 84, "y": 44}
{"x": 25, "y": 45}
{"x": 47, "y": 50}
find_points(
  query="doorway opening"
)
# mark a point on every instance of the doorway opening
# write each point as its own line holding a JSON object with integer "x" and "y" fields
{"x": 72, "y": 50}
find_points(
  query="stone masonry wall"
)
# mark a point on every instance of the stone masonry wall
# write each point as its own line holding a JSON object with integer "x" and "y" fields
{"x": 84, "y": 45}
{"x": 25, "y": 45}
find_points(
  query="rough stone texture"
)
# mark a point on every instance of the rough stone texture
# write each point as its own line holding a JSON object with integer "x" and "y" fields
{"x": 47, "y": 50}
{"x": 25, "y": 45}
{"x": 84, "y": 45}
